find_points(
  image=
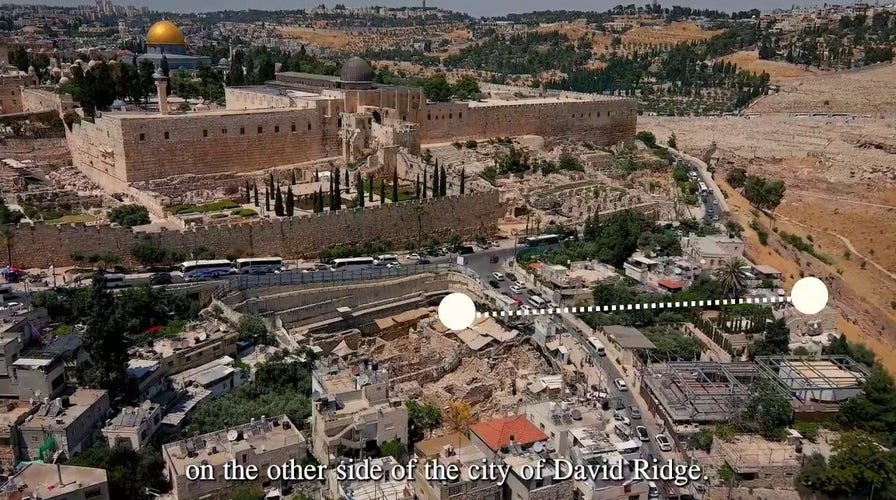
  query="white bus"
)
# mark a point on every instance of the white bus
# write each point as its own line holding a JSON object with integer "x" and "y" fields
{"x": 351, "y": 263}
{"x": 597, "y": 345}
{"x": 383, "y": 260}
{"x": 194, "y": 269}
{"x": 703, "y": 189}
{"x": 261, "y": 265}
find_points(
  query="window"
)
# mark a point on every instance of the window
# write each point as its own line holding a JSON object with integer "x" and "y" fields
{"x": 242, "y": 130}
{"x": 142, "y": 137}
{"x": 223, "y": 130}
{"x": 276, "y": 129}
{"x": 205, "y": 132}
{"x": 460, "y": 114}
{"x": 309, "y": 125}
{"x": 260, "y": 129}
{"x": 429, "y": 117}
{"x": 166, "y": 135}
{"x": 450, "y": 115}
{"x": 293, "y": 127}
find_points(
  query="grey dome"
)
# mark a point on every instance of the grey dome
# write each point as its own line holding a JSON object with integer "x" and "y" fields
{"x": 224, "y": 62}
{"x": 356, "y": 70}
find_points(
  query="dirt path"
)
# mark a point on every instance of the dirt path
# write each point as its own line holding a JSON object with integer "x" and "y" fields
{"x": 838, "y": 198}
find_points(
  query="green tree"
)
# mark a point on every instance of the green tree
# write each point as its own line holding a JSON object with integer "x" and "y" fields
{"x": 370, "y": 184}
{"x": 130, "y": 215}
{"x": 8, "y": 237}
{"x": 774, "y": 342}
{"x": 768, "y": 410}
{"x": 422, "y": 418}
{"x": 874, "y": 410}
{"x": 252, "y": 327}
{"x": 435, "y": 181}
{"x": 732, "y": 277}
{"x": 292, "y": 177}
{"x": 417, "y": 187}
{"x": 359, "y": 181}
{"x": 859, "y": 468}
{"x": 20, "y": 59}
{"x": 278, "y": 203}
{"x": 423, "y": 185}
{"x": 290, "y": 202}
{"x": 673, "y": 141}
{"x": 382, "y": 192}
{"x": 248, "y": 193}
{"x": 236, "y": 76}
{"x": 394, "y": 449}
{"x": 105, "y": 342}
{"x": 443, "y": 182}
{"x": 436, "y": 88}
{"x": 129, "y": 472}
{"x": 737, "y": 177}
{"x": 463, "y": 180}
{"x": 267, "y": 199}
{"x": 646, "y": 137}
{"x": 466, "y": 88}
{"x": 255, "y": 193}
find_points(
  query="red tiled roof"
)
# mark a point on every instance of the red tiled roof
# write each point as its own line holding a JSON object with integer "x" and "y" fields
{"x": 673, "y": 284}
{"x": 496, "y": 433}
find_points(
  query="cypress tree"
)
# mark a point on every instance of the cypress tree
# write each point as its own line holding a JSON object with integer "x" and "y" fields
{"x": 290, "y": 201}
{"x": 463, "y": 179}
{"x": 337, "y": 191}
{"x": 248, "y": 193}
{"x": 395, "y": 186}
{"x": 424, "y": 182}
{"x": 278, "y": 203}
{"x": 435, "y": 182}
{"x": 332, "y": 203}
{"x": 255, "y": 192}
{"x": 417, "y": 187}
{"x": 267, "y": 200}
{"x": 443, "y": 183}
{"x": 370, "y": 193}
{"x": 360, "y": 183}
{"x": 347, "y": 183}
{"x": 293, "y": 178}
{"x": 316, "y": 175}
{"x": 271, "y": 186}
{"x": 382, "y": 193}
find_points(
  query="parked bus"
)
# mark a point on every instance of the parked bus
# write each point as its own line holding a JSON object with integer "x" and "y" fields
{"x": 544, "y": 239}
{"x": 351, "y": 263}
{"x": 260, "y": 265}
{"x": 703, "y": 189}
{"x": 597, "y": 345}
{"x": 196, "y": 269}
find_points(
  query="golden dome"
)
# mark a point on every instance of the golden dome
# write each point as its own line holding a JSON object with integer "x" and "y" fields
{"x": 164, "y": 33}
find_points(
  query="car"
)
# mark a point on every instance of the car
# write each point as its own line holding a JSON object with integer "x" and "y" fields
{"x": 12, "y": 306}
{"x": 635, "y": 412}
{"x": 526, "y": 309}
{"x": 641, "y": 431}
{"x": 663, "y": 442}
{"x": 160, "y": 279}
{"x": 493, "y": 259}
{"x": 517, "y": 289}
{"x": 393, "y": 265}
{"x": 715, "y": 202}
{"x": 424, "y": 260}
{"x": 620, "y": 417}
{"x": 498, "y": 276}
{"x": 511, "y": 277}
{"x": 620, "y": 385}
{"x": 414, "y": 256}
{"x": 494, "y": 284}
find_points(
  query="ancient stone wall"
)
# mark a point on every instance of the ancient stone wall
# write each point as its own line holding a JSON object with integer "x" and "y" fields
{"x": 39, "y": 100}
{"x": 11, "y": 93}
{"x": 466, "y": 216}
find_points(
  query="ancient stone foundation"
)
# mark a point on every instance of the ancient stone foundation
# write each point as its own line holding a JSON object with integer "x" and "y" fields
{"x": 466, "y": 216}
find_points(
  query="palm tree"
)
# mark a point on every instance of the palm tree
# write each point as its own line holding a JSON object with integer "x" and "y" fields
{"x": 8, "y": 237}
{"x": 732, "y": 277}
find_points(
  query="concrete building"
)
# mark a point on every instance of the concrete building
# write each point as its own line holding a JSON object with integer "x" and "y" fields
{"x": 218, "y": 377}
{"x": 67, "y": 424}
{"x": 195, "y": 347}
{"x": 457, "y": 449}
{"x": 266, "y": 442}
{"x": 134, "y": 426}
{"x": 548, "y": 486}
{"x": 56, "y": 482}
{"x": 371, "y": 490}
{"x": 711, "y": 252}
{"x": 12, "y": 414}
{"x": 759, "y": 463}
{"x": 506, "y": 433}
{"x": 353, "y": 411}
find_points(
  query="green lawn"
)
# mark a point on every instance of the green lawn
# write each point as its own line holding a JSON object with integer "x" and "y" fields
{"x": 72, "y": 219}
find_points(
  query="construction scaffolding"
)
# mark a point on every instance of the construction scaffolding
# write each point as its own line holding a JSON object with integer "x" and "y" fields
{"x": 821, "y": 379}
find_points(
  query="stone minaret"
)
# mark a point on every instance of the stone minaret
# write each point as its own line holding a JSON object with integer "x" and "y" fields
{"x": 162, "y": 91}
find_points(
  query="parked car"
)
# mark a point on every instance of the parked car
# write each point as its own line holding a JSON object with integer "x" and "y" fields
{"x": 493, "y": 259}
{"x": 663, "y": 442}
{"x": 498, "y": 276}
{"x": 517, "y": 289}
{"x": 641, "y": 431}
{"x": 160, "y": 279}
{"x": 620, "y": 385}
{"x": 526, "y": 309}
{"x": 424, "y": 260}
{"x": 414, "y": 256}
{"x": 511, "y": 277}
{"x": 494, "y": 284}
{"x": 635, "y": 412}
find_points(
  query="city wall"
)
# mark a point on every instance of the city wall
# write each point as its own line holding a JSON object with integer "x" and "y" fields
{"x": 466, "y": 216}
{"x": 603, "y": 122}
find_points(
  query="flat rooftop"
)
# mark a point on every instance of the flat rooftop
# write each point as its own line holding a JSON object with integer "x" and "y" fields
{"x": 349, "y": 379}
{"x": 377, "y": 490}
{"x": 206, "y": 374}
{"x": 42, "y": 480}
{"x": 55, "y": 415}
{"x": 132, "y": 417}
{"x": 580, "y": 416}
{"x": 219, "y": 447}
{"x": 748, "y": 453}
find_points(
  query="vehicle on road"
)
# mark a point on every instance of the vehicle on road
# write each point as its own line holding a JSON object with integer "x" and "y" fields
{"x": 414, "y": 256}
{"x": 597, "y": 345}
{"x": 641, "y": 431}
{"x": 620, "y": 417}
{"x": 261, "y": 265}
{"x": 544, "y": 239}
{"x": 393, "y": 265}
{"x": 12, "y": 306}
{"x": 635, "y": 412}
{"x": 517, "y": 289}
{"x": 498, "y": 276}
{"x": 465, "y": 250}
{"x": 715, "y": 202}
{"x": 493, "y": 259}
{"x": 526, "y": 309}
{"x": 199, "y": 269}
{"x": 652, "y": 490}
{"x": 160, "y": 279}
{"x": 715, "y": 217}
{"x": 351, "y": 263}
{"x": 620, "y": 385}
{"x": 537, "y": 301}
{"x": 511, "y": 277}
{"x": 663, "y": 442}
{"x": 494, "y": 284}
{"x": 385, "y": 260}
{"x": 623, "y": 431}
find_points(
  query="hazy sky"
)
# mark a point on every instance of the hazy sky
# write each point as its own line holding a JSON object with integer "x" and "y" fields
{"x": 473, "y": 7}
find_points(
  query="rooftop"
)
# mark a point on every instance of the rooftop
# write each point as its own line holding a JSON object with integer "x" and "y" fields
{"x": 747, "y": 453}
{"x": 377, "y": 490}
{"x": 58, "y": 415}
{"x": 350, "y": 379}
{"x": 570, "y": 417}
{"x": 206, "y": 374}
{"x": 42, "y": 480}
{"x": 132, "y": 417}
{"x": 219, "y": 447}
{"x": 451, "y": 448}
{"x": 700, "y": 392}
{"x": 628, "y": 337}
{"x": 497, "y": 434}
{"x": 196, "y": 335}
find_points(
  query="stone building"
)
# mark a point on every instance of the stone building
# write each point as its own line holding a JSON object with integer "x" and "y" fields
{"x": 56, "y": 482}
{"x": 66, "y": 424}
{"x": 302, "y": 117}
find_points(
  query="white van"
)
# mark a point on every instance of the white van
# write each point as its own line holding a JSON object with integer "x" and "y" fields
{"x": 537, "y": 301}
{"x": 622, "y": 431}
{"x": 598, "y": 346}
{"x": 384, "y": 260}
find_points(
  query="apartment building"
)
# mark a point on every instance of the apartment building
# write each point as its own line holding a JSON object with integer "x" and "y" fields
{"x": 56, "y": 482}
{"x": 262, "y": 443}
{"x": 67, "y": 424}
{"x": 456, "y": 449}
{"x": 353, "y": 411}
{"x": 134, "y": 426}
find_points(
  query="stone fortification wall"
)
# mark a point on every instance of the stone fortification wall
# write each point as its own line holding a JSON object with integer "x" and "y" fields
{"x": 602, "y": 122}
{"x": 466, "y": 216}
{"x": 11, "y": 93}
{"x": 39, "y": 100}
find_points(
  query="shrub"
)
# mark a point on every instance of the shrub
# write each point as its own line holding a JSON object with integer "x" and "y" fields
{"x": 130, "y": 215}
{"x": 471, "y": 144}
{"x": 763, "y": 237}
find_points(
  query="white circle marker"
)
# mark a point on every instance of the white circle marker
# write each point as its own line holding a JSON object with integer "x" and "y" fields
{"x": 457, "y": 312}
{"x": 809, "y": 295}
